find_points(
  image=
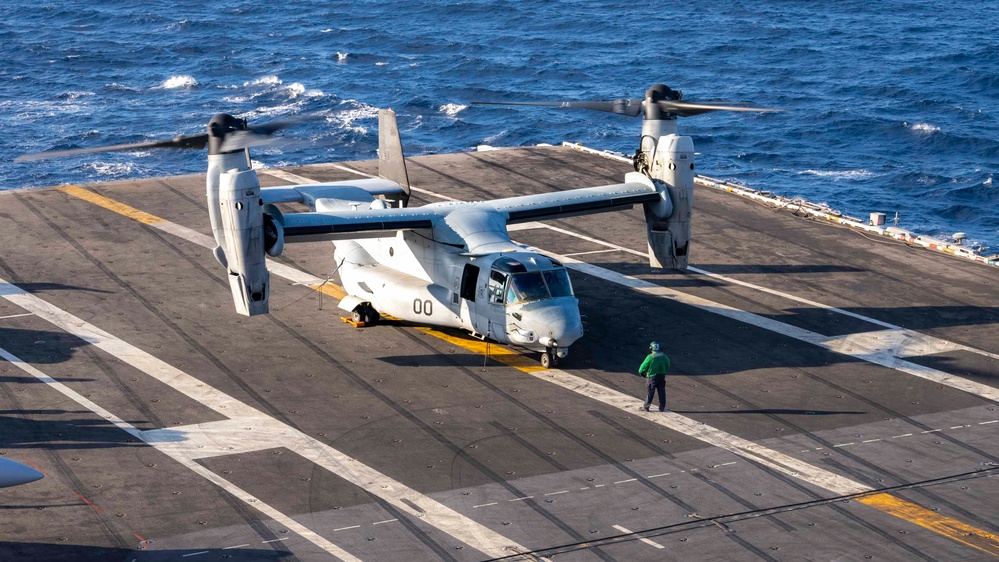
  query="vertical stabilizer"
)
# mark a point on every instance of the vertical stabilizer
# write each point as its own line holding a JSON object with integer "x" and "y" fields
{"x": 391, "y": 162}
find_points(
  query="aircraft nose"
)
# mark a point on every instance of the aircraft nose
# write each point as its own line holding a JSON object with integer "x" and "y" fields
{"x": 14, "y": 473}
{"x": 562, "y": 324}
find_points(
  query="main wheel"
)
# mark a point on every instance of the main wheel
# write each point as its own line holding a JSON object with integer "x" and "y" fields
{"x": 371, "y": 316}
{"x": 356, "y": 315}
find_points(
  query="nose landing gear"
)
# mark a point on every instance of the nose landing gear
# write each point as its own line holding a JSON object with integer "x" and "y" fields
{"x": 553, "y": 353}
{"x": 549, "y": 359}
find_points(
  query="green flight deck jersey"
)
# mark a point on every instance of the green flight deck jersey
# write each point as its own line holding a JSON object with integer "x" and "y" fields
{"x": 655, "y": 364}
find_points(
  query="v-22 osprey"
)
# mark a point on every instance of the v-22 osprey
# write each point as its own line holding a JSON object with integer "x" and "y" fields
{"x": 450, "y": 264}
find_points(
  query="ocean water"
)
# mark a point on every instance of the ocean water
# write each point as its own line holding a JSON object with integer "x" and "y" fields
{"x": 889, "y": 106}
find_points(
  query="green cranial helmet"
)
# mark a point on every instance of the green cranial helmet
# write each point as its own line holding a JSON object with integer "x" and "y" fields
{"x": 654, "y": 346}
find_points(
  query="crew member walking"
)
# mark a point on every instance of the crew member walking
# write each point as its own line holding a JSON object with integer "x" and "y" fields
{"x": 654, "y": 370}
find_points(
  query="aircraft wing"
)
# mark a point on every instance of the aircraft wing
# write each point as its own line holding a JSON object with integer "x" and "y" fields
{"x": 340, "y": 224}
{"x": 331, "y": 225}
{"x": 581, "y": 201}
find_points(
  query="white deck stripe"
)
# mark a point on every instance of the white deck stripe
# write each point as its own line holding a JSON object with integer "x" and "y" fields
{"x": 857, "y": 346}
{"x": 15, "y": 316}
{"x": 286, "y": 176}
{"x": 188, "y": 462}
{"x": 266, "y": 429}
{"x": 644, "y": 540}
{"x": 747, "y": 449}
{"x": 906, "y": 342}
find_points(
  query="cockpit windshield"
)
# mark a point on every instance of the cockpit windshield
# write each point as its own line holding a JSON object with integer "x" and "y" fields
{"x": 558, "y": 283}
{"x": 538, "y": 285}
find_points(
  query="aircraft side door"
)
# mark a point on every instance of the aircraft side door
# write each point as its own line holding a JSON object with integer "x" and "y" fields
{"x": 487, "y": 308}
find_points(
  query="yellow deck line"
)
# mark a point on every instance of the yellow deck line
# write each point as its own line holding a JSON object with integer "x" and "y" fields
{"x": 110, "y": 204}
{"x": 494, "y": 351}
{"x": 887, "y": 503}
{"x": 941, "y": 524}
{"x": 330, "y": 290}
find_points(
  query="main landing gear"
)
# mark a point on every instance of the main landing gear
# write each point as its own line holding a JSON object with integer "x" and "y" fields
{"x": 365, "y": 314}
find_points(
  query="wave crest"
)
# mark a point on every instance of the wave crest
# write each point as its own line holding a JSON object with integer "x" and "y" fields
{"x": 839, "y": 175}
{"x": 923, "y": 128}
{"x": 452, "y": 109}
{"x": 179, "y": 81}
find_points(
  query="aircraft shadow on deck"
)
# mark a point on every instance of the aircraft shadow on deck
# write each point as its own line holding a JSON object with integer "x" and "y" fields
{"x": 81, "y": 553}
{"x": 63, "y": 430}
{"x": 40, "y": 346}
{"x": 5, "y": 288}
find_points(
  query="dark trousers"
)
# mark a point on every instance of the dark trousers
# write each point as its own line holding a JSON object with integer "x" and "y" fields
{"x": 653, "y": 384}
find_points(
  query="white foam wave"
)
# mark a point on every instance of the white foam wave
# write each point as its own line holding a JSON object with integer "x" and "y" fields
{"x": 29, "y": 110}
{"x": 265, "y": 81}
{"x": 923, "y": 127}
{"x": 349, "y": 116}
{"x": 451, "y": 109}
{"x": 179, "y": 81}
{"x": 839, "y": 175}
{"x": 494, "y": 138}
{"x": 76, "y": 95}
{"x": 111, "y": 169}
{"x": 122, "y": 87}
{"x": 297, "y": 89}
{"x": 988, "y": 181}
{"x": 341, "y": 57}
{"x": 380, "y": 63}
{"x": 283, "y": 109}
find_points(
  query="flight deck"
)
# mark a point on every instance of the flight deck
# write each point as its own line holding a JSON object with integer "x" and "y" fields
{"x": 833, "y": 394}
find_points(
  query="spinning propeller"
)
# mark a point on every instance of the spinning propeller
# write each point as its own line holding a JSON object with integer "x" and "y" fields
{"x": 225, "y": 134}
{"x": 660, "y": 102}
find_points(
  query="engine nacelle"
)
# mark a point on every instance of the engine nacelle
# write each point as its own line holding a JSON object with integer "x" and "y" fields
{"x": 273, "y": 231}
{"x": 242, "y": 222}
{"x": 673, "y": 171}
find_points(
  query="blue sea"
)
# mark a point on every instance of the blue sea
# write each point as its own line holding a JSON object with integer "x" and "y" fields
{"x": 889, "y": 106}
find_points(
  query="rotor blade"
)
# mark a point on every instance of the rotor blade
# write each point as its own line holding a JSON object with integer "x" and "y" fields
{"x": 249, "y": 139}
{"x": 261, "y": 135}
{"x": 686, "y": 109}
{"x": 619, "y": 106}
{"x": 275, "y": 126}
{"x": 190, "y": 141}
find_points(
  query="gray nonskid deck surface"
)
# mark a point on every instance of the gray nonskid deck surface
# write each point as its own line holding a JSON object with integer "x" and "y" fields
{"x": 860, "y": 358}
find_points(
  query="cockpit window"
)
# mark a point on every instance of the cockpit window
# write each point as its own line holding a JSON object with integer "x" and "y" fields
{"x": 497, "y": 280}
{"x": 558, "y": 283}
{"x": 528, "y": 286}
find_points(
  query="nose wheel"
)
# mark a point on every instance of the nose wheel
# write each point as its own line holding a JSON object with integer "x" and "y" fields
{"x": 549, "y": 359}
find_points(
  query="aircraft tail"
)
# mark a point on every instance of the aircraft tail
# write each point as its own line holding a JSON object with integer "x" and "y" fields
{"x": 391, "y": 162}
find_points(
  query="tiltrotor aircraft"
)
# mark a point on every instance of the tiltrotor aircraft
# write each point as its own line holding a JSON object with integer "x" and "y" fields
{"x": 449, "y": 264}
